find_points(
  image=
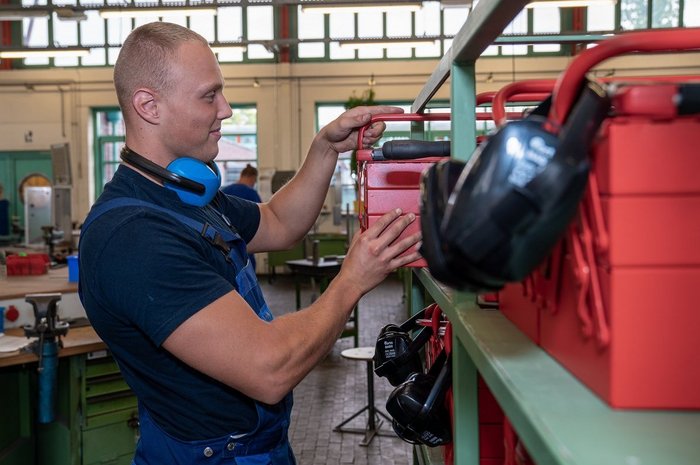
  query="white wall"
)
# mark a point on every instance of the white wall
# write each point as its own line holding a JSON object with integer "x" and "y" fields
{"x": 55, "y": 104}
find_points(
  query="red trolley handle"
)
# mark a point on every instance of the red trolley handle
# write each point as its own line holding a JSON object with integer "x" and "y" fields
{"x": 400, "y": 117}
{"x": 570, "y": 81}
{"x": 520, "y": 91}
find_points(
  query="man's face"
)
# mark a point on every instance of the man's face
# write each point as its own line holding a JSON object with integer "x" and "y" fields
{"x": 192, "y": 109}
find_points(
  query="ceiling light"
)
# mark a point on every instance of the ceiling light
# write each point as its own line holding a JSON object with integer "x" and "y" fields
{"x": 18, "y": 13}
{"x": 140, "y": 12}
{"x": 569, "y": 3}
{"x": 48, "y": 52}
{"x": 364, "y": 44}
{"x": 351, "y": 7}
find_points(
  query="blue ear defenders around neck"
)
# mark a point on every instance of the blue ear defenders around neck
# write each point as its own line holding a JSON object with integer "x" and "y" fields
{"x": 194, "y": 181}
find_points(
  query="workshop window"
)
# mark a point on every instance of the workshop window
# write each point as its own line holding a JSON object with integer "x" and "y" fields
{"x": 104, "y": 36}
{"x": 238, "y": 145}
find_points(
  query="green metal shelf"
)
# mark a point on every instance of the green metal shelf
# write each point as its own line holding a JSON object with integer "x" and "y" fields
{"x": 558, "y": 418}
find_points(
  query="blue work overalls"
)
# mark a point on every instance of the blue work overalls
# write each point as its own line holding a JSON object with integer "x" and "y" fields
{"x": 267, "y": 443}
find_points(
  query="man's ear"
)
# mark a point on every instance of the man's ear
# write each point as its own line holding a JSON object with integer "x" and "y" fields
{"x": 145, "y": 104}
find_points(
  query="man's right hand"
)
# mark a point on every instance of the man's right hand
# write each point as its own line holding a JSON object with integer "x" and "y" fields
{"x": 375, "y": 253}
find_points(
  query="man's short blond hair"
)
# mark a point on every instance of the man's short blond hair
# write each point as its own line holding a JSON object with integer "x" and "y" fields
{"x": 146, "y": 57}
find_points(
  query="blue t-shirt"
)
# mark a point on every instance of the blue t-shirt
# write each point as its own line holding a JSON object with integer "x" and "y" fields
{"x": 142, "y": 274}
{"x": 242, "y": 191}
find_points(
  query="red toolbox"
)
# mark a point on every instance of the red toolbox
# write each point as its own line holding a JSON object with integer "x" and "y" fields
{"x": 624, "y": 317}
{"x": 395, "y": 183}
{"x": 27, "y": 264}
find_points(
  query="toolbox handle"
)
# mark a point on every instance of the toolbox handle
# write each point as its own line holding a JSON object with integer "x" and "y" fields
{"x": 531, "y": 90}
{"x": 403, "y": 149}
{"x": 582, "y": 275}
{"x": 400, "y": 117}
{"x": 600, "y": 322}
{"x": 570, "y": 81}
{"x": 595, "y": 206}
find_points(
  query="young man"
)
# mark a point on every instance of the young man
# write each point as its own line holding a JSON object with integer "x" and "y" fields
{"x": 164, "y": 275}
{"x": 245, "y": 187}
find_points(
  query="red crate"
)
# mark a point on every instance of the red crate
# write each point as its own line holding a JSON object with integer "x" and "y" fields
{"x": 25, "y": 265}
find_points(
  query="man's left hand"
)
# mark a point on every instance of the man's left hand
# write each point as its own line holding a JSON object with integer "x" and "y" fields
{"x": 341, "y": 133}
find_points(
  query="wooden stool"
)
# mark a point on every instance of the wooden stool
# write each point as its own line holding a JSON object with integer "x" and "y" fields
{"x": 374, "y": 421}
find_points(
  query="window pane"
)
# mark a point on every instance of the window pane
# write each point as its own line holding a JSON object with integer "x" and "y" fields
{"x": 546, "y": 21}
{"x": 257, "y": 51}
{"x": 430, "y": 50}
{"x": 145, "y": 20}
{"x": 92, "y": 30}
{"x": 203, "y": 25}
{"x": 369, "y": 24}
{"x": 370, "y": 53}
{"x": 398, "y": 23}
{"x": 36, "y": 32}
{"x": 229, "y": 56}
{"x": 691, "y": 13}
{"x": 66, "y": 61}
{"x": 491, "y": 50}
{"x": 260, "y": 24}
{"x": 513, "y": 50}
{"x": 230, "y": 24}
{"x": 601, "y": 18}
{"x": 428, "y": 19}
{"x": 664, "y": 13}
{"x": 65, "y": 33}
{"x": 342, "y": 25}
{"x": 316, "y": 50}
{"x": 454, "y": 19}
{"x": 309, "y": 24}
{"x": 633, "y": 14}
{"x": 117, "y": 30}
{"x": 404, "y": 52}
{"x": 96, "y": 57}
{"x": 338, "y": 53}
{"x": 112, "y": 54}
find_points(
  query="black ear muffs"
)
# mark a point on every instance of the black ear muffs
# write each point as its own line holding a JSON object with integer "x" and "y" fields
{"x": 396, "y": 354}
{"x": 513, "y": 199}
{"x": 418, "y": 408}
{"x": 194, "y": 181}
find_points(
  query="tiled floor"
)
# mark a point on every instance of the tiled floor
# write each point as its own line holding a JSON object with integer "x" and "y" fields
{"x": 337, "y": 388}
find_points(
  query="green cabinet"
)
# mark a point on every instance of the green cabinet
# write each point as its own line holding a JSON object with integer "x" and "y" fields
{"x": 96, "y": 415}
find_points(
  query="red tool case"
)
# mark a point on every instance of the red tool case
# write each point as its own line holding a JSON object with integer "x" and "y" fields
{"x": 386, "y": 185}
{"x": 617, "y": 295}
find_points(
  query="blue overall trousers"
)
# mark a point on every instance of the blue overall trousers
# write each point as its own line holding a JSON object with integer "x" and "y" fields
{"x": 267, "y": 443}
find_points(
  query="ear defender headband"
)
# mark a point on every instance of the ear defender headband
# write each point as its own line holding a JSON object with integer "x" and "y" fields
{"x": 195, "y": 182}
{"x": 396, "y": 353}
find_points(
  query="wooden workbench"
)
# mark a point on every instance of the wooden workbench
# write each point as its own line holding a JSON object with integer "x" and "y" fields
{"x": 79, "y": 340}
{"x": 56, "y": 280}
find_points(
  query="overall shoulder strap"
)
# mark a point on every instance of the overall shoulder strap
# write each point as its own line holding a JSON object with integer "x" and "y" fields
{"x": 204, "y": 229}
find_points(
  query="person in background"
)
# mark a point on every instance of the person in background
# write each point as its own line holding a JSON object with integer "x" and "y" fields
{"x": 165, "y": 279}
{"x": 245, "y": 187}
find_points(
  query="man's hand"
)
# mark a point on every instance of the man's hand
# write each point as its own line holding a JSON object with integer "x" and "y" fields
{"x": 375, "y": 253}
{"x": 341, "y": 133}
